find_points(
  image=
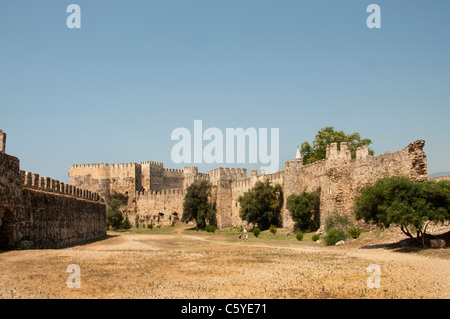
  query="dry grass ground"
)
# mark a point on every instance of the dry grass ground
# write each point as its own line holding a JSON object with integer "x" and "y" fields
{"x": 175, "y": 262}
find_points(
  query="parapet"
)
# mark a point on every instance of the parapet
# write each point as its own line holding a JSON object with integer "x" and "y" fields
{"x": 362, "y": 152}
{"x": 47, "y": 184}
{"x": 152, "y": 163}
{"x": 334, "y": 154}
{"x": 173, "y": 170}
{"x": 228, "y": 173}
{"x": 2, "y": 142}
{"x": 153, "y": 194}
{"x": 96, "y": 166}
{"x": 190, "y": 170}
{"x": 289, "y": 164}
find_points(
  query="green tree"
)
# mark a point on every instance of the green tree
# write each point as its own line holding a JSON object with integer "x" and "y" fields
{"x": 326, "y": 136}
{"x": 114, "y": 218}
{"x": 113, "y": 214}
{"x": 302, "y": 208}
{"x": 262, "y": 204}
{"x": 125, "y": 224}
{"x": 398, "y": 200}
{"x": 196, "y": 205}
{"x": 115, "y": 200}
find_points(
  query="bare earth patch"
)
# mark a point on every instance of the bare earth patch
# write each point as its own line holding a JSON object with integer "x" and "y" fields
{"x": 188, "y": 264}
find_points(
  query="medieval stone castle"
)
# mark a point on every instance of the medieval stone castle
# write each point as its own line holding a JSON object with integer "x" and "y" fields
{"x": 156, "y": 193}
{"x": 39, "y": 212}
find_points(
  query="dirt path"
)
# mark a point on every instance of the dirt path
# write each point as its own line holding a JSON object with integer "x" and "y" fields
{"x": 180, "y": 265}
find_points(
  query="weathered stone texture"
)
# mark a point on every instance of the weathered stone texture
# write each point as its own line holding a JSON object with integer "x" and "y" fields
{"x": 39, "y": 212}
{"x": 158, "y": 207}
{"x": 52, "y": 220}
{"x": 10, "y": 199}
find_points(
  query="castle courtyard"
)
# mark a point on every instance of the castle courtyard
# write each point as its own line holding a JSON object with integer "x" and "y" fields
{"x": 179, "y": 262}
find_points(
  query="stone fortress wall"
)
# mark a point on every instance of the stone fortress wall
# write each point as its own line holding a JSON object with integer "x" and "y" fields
{"x": 156, "y": 193}
{"x": 40, "y": 212}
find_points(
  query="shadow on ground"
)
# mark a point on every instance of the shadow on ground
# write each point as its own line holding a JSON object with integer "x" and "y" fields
{"x": 410, "y": 245}
{"x": 87, "y": 242}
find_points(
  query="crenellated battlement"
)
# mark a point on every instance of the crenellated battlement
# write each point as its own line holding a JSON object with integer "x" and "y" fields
{"x": 47, "y": 184}
{"x": 333, "y": 153}
{"x": 228, "y": 173}
{"x": 152, "y": 163}
{"x": 362, "y": 152}
{"x": 162, "y": 193}
{"x": 245, "y": 184}
{"x": 190, "y": 168}
{"x": 105, "y": 165}
{"x": 173, "y": 170}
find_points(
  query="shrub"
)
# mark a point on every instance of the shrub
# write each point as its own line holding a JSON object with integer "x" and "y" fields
{"x": 114, "y": 218}
{"x": 116, "y": 200}
{"x": 273, "y": 229}
{"x": 337, "y": 221}
{"x": 334, "y": 235}
{"x": 354, "y": 232}
{"x": 315, "y": 237}
{"x": 256, "y": 232}
{"x": 299, "y": 236}
{"x": 150, "y": 226}
{"x": 125, "y": 224}
{"x": 210, "y": 228}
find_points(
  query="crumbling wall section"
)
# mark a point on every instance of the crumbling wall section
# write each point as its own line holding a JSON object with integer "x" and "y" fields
{"x": 158, "y": 207}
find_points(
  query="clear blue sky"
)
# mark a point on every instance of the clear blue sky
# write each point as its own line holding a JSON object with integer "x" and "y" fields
{"x": 114, "y": 90}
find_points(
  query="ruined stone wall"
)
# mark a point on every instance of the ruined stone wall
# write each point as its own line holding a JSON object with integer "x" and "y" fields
{"x": 192, "y": 175}
{"x": 222, "y": 180}
{"x": 103, "y": 178}
{"x": 158, "y": 207}
{"x": 339, "y": 178}
{"x": 173, "y": 178}
{"x": 51, "y": 220}
{"x": 441, "y": 178}
{"x": 156, "y": 177}
{"x": 40, "y": 212}
{"x": 11, "y": 203}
